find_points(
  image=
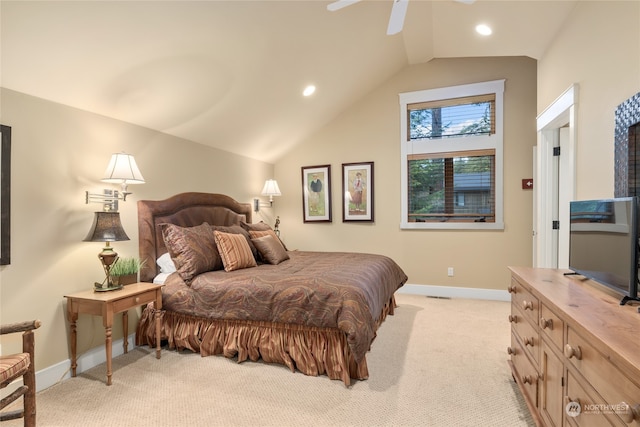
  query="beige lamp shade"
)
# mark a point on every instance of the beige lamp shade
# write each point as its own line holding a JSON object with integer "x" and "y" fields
{"x": 122, "y": 169}
{"x": 271, "y": 189}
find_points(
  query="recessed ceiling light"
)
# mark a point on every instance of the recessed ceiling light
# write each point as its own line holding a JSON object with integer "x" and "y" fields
{"x": 309, "y": 90}
{"x": 483, "y": 29}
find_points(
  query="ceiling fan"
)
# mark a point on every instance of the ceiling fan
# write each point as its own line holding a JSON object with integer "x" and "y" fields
{"x": 398, "y": 12}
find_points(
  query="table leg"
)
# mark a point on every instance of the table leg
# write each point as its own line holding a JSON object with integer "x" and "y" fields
{"x": 108, "y": 342}
{"x": 73, "y": 317}
{"x": 125, "y": 330}
{"x": 158, "y": 334}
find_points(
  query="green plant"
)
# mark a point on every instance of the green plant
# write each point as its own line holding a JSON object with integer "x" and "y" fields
{"x": 126, "y": 266}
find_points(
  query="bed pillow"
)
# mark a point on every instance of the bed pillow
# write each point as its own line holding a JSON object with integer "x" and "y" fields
{"x": 270, "y": 249}
{"x": 258, "y": 234}
{"x": 192, "y": 249}
{"x": 234, "y": 251}
{"x": 236, "y": 229}
{"x": 262, "y": 226}
{"x": 166, "y": 264}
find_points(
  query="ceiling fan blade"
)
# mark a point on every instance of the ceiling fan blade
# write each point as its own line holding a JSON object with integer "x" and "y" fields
{"x": 398, "y": 12}
{"x": 337, "y": 5}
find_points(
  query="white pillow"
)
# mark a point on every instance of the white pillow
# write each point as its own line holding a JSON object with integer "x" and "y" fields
{"x": 166, "y": 264}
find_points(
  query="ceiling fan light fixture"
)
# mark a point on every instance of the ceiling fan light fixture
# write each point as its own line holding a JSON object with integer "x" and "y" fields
{"x": 483, "y": 30}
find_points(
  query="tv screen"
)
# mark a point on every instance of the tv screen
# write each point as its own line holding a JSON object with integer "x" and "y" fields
{"x": 603, "y": 243}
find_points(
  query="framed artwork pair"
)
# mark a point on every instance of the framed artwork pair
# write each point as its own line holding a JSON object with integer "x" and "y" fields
{"x": 357, "y": 192}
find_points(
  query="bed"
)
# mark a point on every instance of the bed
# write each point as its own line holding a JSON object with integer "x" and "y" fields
{"x": 314, "y": 312}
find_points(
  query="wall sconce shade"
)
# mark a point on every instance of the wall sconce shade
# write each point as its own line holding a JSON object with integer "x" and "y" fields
{"x": 270, "y": 189}
{"x": 106, "y": 228}
{"x": 122, "y": 169}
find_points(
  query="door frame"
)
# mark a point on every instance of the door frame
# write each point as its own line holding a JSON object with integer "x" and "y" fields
{"x": 554, "y": 184}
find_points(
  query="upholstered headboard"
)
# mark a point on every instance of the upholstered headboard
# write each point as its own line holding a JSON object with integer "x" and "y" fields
{"x": 186, "y": 210}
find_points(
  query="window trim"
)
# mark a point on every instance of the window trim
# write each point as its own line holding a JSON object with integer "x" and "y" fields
{"x": 449, "y": 145}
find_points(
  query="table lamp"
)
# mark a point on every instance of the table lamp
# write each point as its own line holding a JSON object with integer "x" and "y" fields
{"x": 106, "y": 228}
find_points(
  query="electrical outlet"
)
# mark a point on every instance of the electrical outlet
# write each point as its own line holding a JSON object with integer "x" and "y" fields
{"x": 450, "y": 271}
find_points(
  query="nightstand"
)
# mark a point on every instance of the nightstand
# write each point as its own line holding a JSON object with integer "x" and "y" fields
{"x": 106, "y": 304}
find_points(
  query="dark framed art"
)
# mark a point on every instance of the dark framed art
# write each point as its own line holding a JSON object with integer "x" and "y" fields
{"x": 5, "y": 195}
{"x": 316, "y": 193}
{"x": 357, "y": 191}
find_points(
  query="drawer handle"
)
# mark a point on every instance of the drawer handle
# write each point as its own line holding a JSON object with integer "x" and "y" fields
{"x": 511, "y": 350}
{"x": 511, "y": 289}
{"x": 628, "y": 413}
{"x": 528, "y": 379}
{"x": 513, "y": 318}
{"x": 137, "y": 300}
{"x": 546, "y": 323}
{"x": 570, "y": 352}
{"x": 527, "y": 305}
{"x": 528, "y": 341}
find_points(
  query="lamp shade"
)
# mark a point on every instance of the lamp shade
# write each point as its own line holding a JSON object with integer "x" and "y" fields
{"x": 122, "y": 169}
{"x": 271, "y": 188}
{"x": 106, "y": 228}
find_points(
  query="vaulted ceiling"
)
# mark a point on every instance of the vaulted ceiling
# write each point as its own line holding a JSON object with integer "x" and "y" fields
{"x": 230, "y": 74}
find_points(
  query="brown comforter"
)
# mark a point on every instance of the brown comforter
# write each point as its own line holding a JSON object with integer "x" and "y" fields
{"x": 347, "y": 291}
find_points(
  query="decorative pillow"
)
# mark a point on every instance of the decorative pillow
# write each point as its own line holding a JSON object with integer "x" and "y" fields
{"x": 261, "y": 226}
{"x": 234, "y": 251}
{"x": 236, "y": 229}
{"x": 193, "y": 249}
{"x": 166, "y": 263}
{"x": 258, "y": 234}
{"x": 270, "y": 249}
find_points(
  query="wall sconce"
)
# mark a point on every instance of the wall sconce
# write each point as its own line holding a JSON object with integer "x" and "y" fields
{"x": 123, "y": 170}
{"x": 270, "y": 189}
{"x": 106, "y": 228}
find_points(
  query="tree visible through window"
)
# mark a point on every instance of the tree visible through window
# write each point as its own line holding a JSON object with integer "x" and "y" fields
{"x": 452, "y": 157}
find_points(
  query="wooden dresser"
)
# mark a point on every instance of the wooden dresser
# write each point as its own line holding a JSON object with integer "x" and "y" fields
{"x": 575, "y": 351}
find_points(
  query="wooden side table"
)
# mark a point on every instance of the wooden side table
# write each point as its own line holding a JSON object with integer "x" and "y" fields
{"x": 106, "y": 304}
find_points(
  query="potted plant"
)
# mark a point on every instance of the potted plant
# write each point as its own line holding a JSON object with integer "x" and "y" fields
{"x": 125, "y": 271}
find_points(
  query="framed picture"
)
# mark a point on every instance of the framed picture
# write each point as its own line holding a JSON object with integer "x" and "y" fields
{"x": 5, "y": 195}
{"x": 357, "y": 191}
{"x": 316, "y": 193}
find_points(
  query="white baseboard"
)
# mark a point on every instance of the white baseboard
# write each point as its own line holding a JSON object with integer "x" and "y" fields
{"x": 453, "y": 292}
{"x": 54, "y": 374}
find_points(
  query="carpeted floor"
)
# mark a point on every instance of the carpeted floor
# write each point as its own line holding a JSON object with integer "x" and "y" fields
{"x": 436, "y": 362}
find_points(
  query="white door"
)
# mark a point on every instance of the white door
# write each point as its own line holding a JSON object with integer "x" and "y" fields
{"x": 555, "y": 181}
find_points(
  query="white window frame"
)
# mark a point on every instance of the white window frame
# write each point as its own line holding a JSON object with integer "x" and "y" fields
{"x": 448, "y": 145}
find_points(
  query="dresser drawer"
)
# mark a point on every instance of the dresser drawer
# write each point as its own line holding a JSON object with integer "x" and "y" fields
{"x": 613, "y": 386}
{"x": 526, "y": 332}
{"x": 583, "y": 410}
{"x": 525, "y": 371}
{"x": 525, "y": 301}
{"x": 134, "y": 301}
{"x": 551, "y": 326}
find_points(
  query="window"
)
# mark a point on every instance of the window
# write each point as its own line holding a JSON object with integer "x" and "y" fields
{"x": 452, "y": 157}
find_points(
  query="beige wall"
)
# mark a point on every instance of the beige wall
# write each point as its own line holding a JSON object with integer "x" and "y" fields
{"x": 370, "y": 131}
{"x": 599, "y": 50}
{"x": 59, "y": 152}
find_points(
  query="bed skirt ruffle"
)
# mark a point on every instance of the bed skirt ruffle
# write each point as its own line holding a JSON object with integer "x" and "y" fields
{"x": 311, "y": 350}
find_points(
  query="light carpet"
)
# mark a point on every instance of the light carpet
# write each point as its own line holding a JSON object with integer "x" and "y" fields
{"x": 436, "y": 362}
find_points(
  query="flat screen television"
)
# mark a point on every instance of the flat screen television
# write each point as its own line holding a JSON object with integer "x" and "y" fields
{"x": 603, "y": 243}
